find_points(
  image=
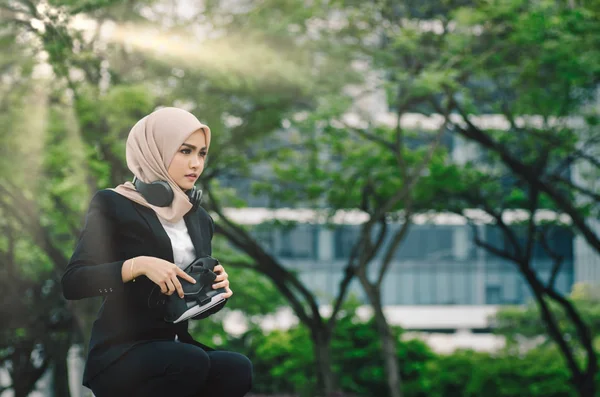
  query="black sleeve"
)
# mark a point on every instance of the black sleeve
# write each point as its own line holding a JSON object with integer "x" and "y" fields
{"x": 220, "y": 305}
{"x": 212, "y": 227}
{"x": 94, "y": 269}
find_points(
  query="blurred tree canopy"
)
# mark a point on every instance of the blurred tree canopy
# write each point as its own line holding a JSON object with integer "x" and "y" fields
{"x": 276, "y": 81}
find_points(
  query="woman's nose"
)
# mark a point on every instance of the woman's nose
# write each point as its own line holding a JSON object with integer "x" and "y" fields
{"x": 194, "y": 162}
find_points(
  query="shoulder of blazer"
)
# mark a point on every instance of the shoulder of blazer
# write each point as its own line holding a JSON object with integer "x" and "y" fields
{"x": 106, "y": 196}
{"x": 106, "y": 200}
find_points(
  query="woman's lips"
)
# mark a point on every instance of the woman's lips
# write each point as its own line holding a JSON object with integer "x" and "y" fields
{"x": 191, "y": 177}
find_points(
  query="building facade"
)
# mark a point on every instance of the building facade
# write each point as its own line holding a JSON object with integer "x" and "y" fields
{"x": 436, "y": 264}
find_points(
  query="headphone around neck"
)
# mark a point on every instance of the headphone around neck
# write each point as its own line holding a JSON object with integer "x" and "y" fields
{"x": 160, "y": 194}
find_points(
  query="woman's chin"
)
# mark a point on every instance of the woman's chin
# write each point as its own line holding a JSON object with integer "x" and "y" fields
{"x": 186, "y": 186}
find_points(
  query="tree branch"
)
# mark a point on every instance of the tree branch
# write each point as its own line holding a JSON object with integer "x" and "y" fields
{"x": 583, "y": 331}
{"x": 531, "y": 226}
{"x": 387, "y": 259}
{"x": 349, "y": 273}
{"x": 371, "y": 137}
{"x": 269, "y": 265}
{"x": 496, "y": 251}
{"x": 558, "y": 260}
{"x": 523, "y": 170}
{"x": 572, "y": 185}
{"x": 553, "y": 328}
{"x": 577, "y": 155}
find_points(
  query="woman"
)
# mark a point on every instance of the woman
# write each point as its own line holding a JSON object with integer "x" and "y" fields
{"x": 131, "y": 243}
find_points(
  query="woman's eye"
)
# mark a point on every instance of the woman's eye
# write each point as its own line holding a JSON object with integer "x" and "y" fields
{"x": 186, "y": 151}
{"x": 203, "y": 154}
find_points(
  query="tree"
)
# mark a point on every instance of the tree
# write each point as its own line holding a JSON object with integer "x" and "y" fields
{"x": 545, "y": 95}
{"x": 458, "y": 59}
{"x": 554, "y": 86}
{"x": 374, "y": 171}
{"x": 112, "y": 93}
{"x": 523, "y": 323}
{"x": 498, "y": 194}
{"x": 35, "y": 329}
{"x": 363, "y": 166}
{"x": 283, "y": 361}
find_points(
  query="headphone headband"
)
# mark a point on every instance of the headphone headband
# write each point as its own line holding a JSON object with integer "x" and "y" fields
{"x": 160, "y": 194}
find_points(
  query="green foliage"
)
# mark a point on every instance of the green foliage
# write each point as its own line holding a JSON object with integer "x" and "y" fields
{"x": 283, "y": 360}
{"x": 449, "y": 375}
{"x": 518, "y": 323}
{"x": 283, "y": 63}
{"x": 77, "y": 6}
{"x": 283, "y": 363}
{"x": 540, "y": 372}
{"x": 289, "y": 356}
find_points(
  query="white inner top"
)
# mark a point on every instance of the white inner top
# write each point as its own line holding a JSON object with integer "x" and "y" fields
{"x": 183, "y": 248}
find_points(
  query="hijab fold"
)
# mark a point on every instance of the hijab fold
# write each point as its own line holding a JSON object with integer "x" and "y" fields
{"x": 151, "y": 145}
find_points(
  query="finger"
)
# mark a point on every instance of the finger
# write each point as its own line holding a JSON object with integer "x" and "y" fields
{"x": 185, "y": 276}
{"x": 170, "y": 286}
{"x": 178, "y": 287}
{"x": 218, "y": 269}
{"x": 228, "y": 293}
{"x": 163, "y": 288}
{"x": 221, "y": 277}
{"x": 223, "y": 284}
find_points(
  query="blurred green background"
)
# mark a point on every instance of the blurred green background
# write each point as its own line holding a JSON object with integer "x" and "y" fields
{"x": 382, "y": 173}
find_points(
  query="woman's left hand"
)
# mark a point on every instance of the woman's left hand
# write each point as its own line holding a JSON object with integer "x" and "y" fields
{"x": 222, "y": 280}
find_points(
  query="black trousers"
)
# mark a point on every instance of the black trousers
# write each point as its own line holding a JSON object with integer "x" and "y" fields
{"x": 170, "y": 368}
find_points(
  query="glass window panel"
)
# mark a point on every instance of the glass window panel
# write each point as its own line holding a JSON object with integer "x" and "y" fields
{"x": 344, "y": 238}
{"x": 426, "y": 288}
{"x": 406, "y": 288}
{"x": 297, "y": 242}
{"x": 443, "y": 287}
{"x": 510, "y": 285}
{"x": 493, "y": 295}
{"x": 319, "y": 285}
{"x": 464, "y": 287}
{"x": 389, "y": 293}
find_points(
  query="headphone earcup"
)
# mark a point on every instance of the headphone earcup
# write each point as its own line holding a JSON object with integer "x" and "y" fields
{"x": 157, "y": 193}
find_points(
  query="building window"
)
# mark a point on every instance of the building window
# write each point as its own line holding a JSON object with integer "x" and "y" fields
{"x": 428, "y": 242}
{"x": 263, "y": 233}
{"x": 493, "y": 294}
{"x": 344, "y": 239}
{"x": 298, "y": 242}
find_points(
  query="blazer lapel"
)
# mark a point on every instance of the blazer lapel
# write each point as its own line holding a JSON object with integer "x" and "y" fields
{"x": 195, "y": 232}
{"x": 158, "y": 231}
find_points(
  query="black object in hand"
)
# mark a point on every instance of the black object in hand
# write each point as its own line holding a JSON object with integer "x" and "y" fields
{"x": 197, "y": 298}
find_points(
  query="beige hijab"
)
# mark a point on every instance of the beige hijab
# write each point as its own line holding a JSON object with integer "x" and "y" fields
{"x": 151, "y": 145}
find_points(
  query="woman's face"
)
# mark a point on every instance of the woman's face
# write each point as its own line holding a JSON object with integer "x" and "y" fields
{"x": 188, "y": 162}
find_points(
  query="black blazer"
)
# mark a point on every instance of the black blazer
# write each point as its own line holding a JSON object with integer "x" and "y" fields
{"x": 117, "y": 229}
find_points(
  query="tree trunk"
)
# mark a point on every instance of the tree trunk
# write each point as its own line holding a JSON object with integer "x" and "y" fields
{"x": 24, "y": 374}
{"x": 583, "y": 381}
{"x": 388, "y": 343}
{"x": 325, "y": 376}
{"x": 587, "y": 386}
{"x": 60, "y": 370}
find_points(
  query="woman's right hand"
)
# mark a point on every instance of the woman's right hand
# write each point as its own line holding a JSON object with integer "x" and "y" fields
{"x": 163, "y": 273}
